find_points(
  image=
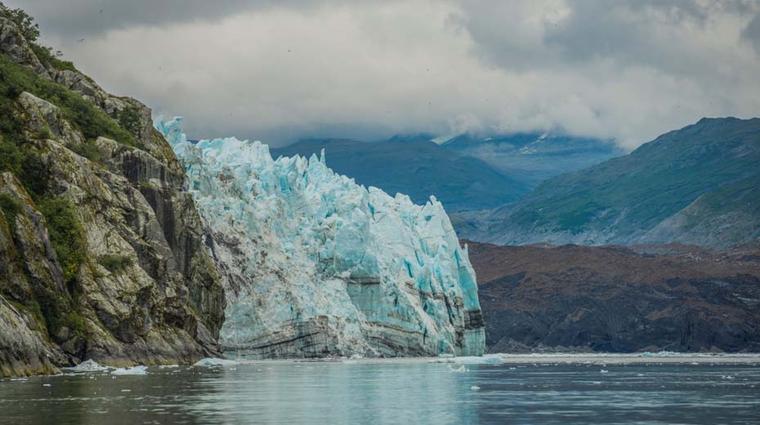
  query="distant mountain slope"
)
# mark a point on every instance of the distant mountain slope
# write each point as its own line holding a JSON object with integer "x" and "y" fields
{"x": 729, "y": 214}
{"x": 697, "y": 184}
{"x": 417, "y": 167}
{"x": 534, "y": 157}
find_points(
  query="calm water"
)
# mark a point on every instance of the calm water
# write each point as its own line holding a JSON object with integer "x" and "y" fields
{"x": 407, "y": 392}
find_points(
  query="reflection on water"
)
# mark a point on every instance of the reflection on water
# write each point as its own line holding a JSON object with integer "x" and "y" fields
{"x": 391, "y": 393}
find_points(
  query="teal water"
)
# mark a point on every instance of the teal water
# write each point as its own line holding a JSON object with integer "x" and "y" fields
{"x": 405, "y": 392}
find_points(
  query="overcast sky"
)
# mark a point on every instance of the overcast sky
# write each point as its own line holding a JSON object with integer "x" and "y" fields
{"x": 369, "y": 69}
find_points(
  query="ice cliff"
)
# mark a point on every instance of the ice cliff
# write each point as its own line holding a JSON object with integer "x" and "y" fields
{"x": 317, "y": 265}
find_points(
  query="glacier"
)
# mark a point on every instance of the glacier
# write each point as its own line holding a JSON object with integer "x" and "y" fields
{"x": 316, "y": 265}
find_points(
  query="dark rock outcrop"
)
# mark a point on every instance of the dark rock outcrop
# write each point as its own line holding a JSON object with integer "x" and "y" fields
{"x": 647, "y": 298}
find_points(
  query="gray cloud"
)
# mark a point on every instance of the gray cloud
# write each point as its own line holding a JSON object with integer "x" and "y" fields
{"x": 668, "y": 35}
{"x": 75, "y": 18}
{"x": 637, "y": 66}
{"x": 627, "y": 70}
{"x": 752, "y": 33}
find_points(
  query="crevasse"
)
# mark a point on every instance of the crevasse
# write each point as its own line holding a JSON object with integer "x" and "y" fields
{"x": 317, "y": 265}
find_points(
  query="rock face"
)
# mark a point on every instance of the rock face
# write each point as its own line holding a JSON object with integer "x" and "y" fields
{"x": 102, "y": 251}
{"x": 317, "y": 265}
{"x": 646, "y": 298}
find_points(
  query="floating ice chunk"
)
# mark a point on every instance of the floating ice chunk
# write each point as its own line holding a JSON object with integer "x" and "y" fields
{"x": 215, "y": 362}
{"x": 604, "y": 371}
{"x": 460, "y": 369}
{"x": 659, "y": 354}
{"x": 88, "y": 366}
{"x": 488, "y": 359}
{"x": 136, "y": 370}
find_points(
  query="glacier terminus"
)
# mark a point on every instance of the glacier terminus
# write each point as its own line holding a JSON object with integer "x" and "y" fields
{"x": 316, "y": 265}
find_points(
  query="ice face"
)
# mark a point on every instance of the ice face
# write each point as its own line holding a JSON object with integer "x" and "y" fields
{"x": 317, "y": 265}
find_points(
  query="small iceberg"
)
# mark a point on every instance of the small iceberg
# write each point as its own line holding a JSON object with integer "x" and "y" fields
{"x": 88, "y": 366}
{"x": 487, "y": 359}
{"x": 137, "y": 370}
{"x": 460, "y": 369}
{"x": 214, "y": 362}
{"x": 659, "y": 354}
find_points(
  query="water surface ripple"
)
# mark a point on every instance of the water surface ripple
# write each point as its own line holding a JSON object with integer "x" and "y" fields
{"x": 393, "y": 392}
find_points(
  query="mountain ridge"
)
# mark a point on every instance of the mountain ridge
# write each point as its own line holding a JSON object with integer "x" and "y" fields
{"x": 624, "y": 200}
{"x": 533, "y": 157}
{"x": 416, "y": 167}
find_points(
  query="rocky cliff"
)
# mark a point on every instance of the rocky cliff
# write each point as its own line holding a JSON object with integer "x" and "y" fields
{"x": 101, "y": 249}
{"x": 317, "y": 265}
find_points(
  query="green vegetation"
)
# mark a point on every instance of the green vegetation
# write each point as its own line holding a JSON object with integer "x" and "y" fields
{"x": 31, "y": 32}
{"x": 34, "y": 174}
{"x": 66, "y": 234}
{"x": 10, "y": 208}
{"x": 24, "y": 158}
{"x": 47, "y": 57}
{"x": 67, "y": 237}
{"x": 56, "y": 311}
{"x": 25, "y": 23}
{"x": 17, "y": 155}
{"x": 88, "y": 150}
{"x": 129, "y": 119}
{"x": 115, "y": 263}
{"x": 52, "y": 310}
{"x": 75, "y": 321}
{"x": 85, "y": 116}
{"x": 10, "y": 128}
